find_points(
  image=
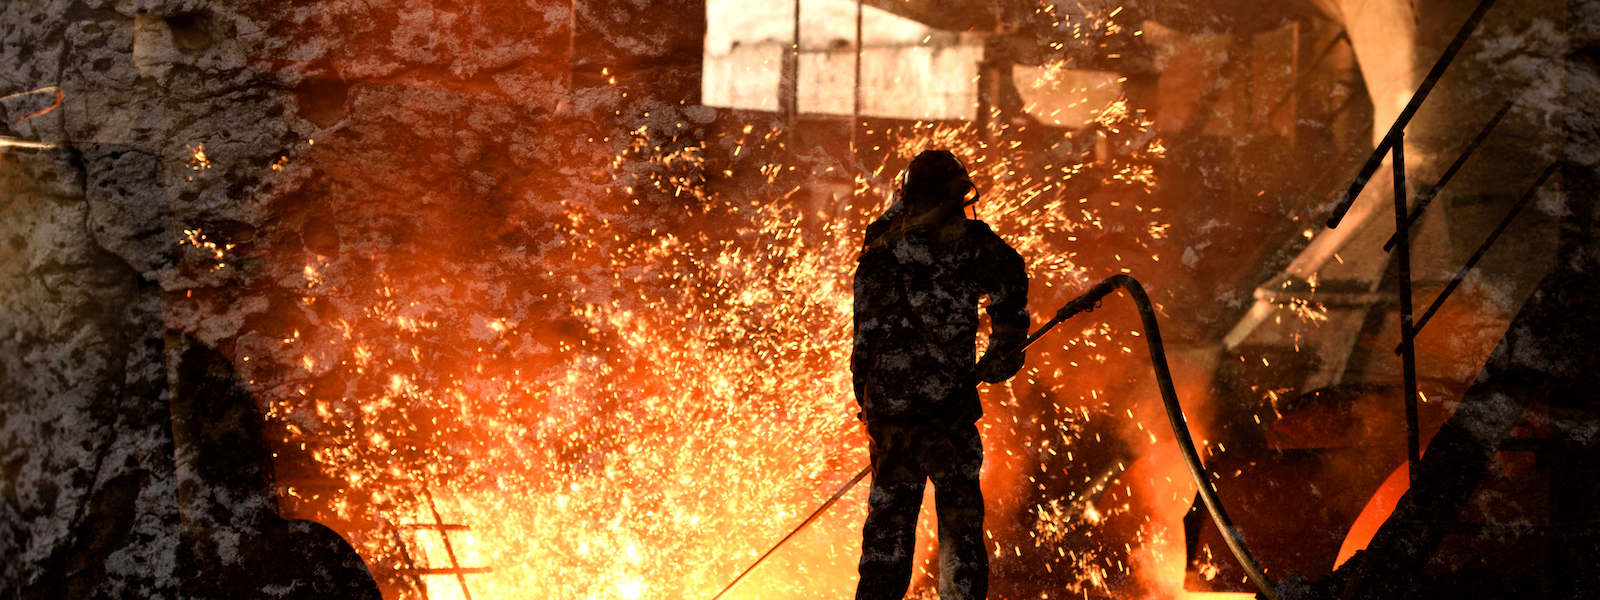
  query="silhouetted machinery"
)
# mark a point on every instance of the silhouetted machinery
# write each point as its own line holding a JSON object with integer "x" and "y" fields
{"x": 1501, "y": 500}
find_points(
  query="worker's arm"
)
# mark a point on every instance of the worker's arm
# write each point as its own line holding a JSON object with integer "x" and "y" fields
{"x": 1004, "y": 277}
{"x": 861, "y": 348}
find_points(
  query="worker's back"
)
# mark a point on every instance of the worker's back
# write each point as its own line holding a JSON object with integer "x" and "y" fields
{"x": 916, "y": 307}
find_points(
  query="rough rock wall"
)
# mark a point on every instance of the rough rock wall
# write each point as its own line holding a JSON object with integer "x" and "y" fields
{"x": 89, "y": 487}
{"x": 101, "y": 498}
{"x": 1580, "y": 145}
{"x": 224, "y": 175}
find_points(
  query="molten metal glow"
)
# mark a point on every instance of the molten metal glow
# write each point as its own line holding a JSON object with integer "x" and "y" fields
{"x": 702, "y": 408}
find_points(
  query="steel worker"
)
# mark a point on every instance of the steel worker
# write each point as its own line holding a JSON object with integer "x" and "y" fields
{"x": 918, "y": 284}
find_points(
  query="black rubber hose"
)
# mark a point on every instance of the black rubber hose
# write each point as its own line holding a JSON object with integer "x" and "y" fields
{"x": 1169, "y": 396}
{"x": 1180, "y": 427}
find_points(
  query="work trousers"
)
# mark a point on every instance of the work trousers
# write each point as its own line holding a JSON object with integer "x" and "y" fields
{"x": 905, "y": 455}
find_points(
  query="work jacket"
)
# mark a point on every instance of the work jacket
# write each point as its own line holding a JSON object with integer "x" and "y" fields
{"x": 916, "y": 319}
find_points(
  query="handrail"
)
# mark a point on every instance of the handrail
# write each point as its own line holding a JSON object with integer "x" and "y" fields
{"x": 1482, "y": 249}
{"x": 1400, "y": 123}
{"x": 1424, "y": 199}
{"x": 1408, "y": 334}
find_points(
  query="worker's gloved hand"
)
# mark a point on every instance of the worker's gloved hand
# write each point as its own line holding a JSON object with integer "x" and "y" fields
{"x": 995, "y": 369}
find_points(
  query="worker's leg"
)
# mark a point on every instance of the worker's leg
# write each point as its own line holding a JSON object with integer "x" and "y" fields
{"x": 954, "y": 459}
{"x": 889, "y": 536}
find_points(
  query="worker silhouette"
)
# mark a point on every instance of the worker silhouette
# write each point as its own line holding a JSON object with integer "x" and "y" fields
{"x": 924, "y": 268}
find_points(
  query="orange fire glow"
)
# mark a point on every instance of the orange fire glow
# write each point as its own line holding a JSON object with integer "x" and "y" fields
{"x": 701, "y": 406}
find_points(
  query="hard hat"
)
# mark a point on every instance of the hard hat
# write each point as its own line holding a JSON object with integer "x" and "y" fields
{"x": 936, "y": 173}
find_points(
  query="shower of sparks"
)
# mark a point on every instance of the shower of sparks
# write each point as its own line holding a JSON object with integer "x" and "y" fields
{"x": 1305, "y": 308}
{"x": 197, "y": 160}
{"x": 217, "y": 253}
{"x": 703, "y": 406}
